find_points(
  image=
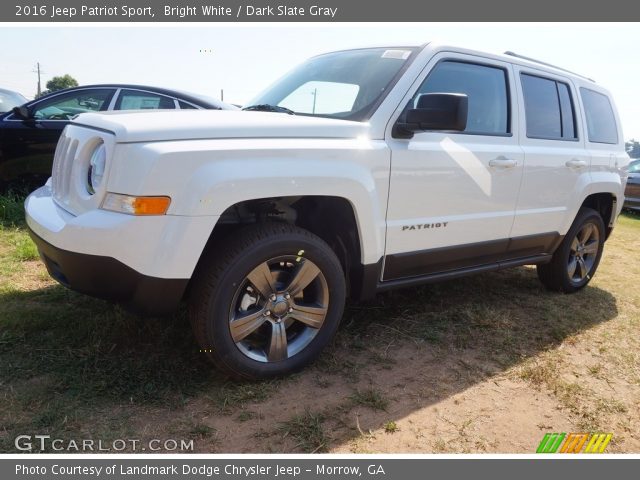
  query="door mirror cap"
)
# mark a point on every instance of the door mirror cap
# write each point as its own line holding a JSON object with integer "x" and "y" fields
{"x": 435, "y": 111}
{"x": 22, "y": 112}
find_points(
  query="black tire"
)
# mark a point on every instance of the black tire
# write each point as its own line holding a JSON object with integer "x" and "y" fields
{"x": 225, "y": 271}
{"x": 555, "y": 275}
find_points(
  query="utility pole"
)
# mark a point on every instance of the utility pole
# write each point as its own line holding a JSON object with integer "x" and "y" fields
{"x": 222, "y": 94}
{"x": 39, "y": 73}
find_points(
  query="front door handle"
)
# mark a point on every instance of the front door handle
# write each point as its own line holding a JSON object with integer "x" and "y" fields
{"x": 575, "y": 163}
{"x": 502, "y": 162}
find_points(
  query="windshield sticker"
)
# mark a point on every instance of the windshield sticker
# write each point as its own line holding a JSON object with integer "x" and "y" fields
{"x": 399, "y": 54}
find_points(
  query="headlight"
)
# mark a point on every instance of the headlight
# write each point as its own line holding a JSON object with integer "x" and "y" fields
{"x": 97, "y": 165}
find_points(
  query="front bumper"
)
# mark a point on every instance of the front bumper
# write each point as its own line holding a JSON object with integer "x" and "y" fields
{"x": 145, "y": 263}
{"x": 109, "y": 279}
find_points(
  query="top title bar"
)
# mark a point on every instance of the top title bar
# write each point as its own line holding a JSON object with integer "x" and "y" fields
{"x": 318, "y": 11}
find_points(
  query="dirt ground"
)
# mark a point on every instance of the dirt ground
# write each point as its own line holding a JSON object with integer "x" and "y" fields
{"x": 484, "y": 364}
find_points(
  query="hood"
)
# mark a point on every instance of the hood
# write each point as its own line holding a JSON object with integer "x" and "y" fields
{"x": 159, "y": 125}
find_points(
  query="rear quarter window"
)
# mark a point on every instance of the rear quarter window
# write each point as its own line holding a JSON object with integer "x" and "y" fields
{"x": 601, "y": 123}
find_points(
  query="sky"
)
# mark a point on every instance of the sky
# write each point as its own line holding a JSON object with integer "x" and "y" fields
{"x": 243, "y": 59}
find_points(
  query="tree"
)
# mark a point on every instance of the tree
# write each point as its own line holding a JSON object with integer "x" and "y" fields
{"x": 60, "y": 83}
{"x": 633, "y": 148}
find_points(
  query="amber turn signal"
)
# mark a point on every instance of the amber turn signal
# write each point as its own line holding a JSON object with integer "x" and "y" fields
{"x": 116, "y": 202}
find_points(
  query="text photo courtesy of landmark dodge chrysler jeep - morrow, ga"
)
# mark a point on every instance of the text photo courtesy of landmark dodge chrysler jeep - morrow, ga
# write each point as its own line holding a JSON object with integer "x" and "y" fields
{"x": 357, "y": 172}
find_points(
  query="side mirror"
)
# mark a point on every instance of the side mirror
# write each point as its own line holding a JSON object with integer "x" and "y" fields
{"x": 22, "y": 112}
{"x": 435, "y": 111}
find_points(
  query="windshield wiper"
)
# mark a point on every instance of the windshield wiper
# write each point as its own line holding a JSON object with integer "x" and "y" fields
{"x": 265, "y": 107}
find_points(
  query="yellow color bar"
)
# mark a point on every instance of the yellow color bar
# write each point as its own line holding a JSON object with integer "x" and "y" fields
{"x": 591, "y": 442}
{"x": 605, "y": 442}
{"x": 598, "y": 442}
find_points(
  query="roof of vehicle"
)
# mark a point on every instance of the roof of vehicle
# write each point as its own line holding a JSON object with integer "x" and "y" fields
{"x": 198, "y": 99}
{"x": 507, "y": 56}
{"x": 516, "y": 58}
{"x": 11, "y": 92}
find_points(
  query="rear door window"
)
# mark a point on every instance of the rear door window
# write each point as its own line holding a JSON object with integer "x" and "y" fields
{"x": 139, "y": 100}
{"x": 548, "y": 108}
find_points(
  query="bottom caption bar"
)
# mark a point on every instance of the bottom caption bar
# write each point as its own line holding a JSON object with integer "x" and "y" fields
{"x": 304, "y": 468}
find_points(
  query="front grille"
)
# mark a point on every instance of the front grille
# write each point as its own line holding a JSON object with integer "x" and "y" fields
{"x": 62, "y": 168}
{"x": 71, "y": 165}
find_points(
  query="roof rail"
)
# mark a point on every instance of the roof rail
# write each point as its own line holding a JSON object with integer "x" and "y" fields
{"x": 513, "y": 54}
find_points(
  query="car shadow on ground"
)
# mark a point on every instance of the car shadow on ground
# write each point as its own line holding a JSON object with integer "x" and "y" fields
{"x": 76, "y": 367}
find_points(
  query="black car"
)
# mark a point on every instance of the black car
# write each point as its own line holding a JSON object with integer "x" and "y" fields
{"x": 29, "y": 133}
{"x": 632, "y": 191}
{"x": 10, "y": 99}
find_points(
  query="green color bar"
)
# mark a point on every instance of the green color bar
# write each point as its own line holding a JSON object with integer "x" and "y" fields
{"x": 550, "y": 442}
{"x": 555, "y": 446}
{"x": 543, "y": 443}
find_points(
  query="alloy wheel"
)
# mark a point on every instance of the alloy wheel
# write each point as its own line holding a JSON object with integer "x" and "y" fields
{"x": 583, "y": 252}
{"x": 279, "y": 308}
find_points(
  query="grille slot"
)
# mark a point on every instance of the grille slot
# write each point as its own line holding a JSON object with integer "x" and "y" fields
{"x": 63, "y": 169}
{"x": 56, "y": 173}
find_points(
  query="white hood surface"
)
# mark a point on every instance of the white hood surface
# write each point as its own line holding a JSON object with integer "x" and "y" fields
{"x": 164, "y": 125}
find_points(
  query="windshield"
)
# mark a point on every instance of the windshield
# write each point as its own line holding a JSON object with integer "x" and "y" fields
{"x": 9, "y": 99}
{"x": 347, "y": 85}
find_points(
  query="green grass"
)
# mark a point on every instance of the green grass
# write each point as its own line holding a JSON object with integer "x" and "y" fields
{"x": 233, "y": 395}
{"x": 390, "y": 427}
{"x": 371, "y": 398}
{"x": 24, "y": 249}
{"x": 308, "y": 431}
{"x": 11, "y": 209}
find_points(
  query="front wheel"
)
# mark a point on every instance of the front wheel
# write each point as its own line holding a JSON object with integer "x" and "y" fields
{"x": 267, "y": 301}
{"x": 576, "y": 260}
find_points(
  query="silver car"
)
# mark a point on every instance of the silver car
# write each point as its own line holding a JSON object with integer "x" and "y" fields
{"x": 10, "y": 99}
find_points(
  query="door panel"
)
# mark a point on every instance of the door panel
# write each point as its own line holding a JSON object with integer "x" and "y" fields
{"x": 453, "y": 195}
{"x": 556, "y": 168}
{"x": 28, "y": 145}
{"x": 27, "y": 151}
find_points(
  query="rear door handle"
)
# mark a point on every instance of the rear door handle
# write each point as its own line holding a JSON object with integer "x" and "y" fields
{"x": 502, "y": 162}
{"x": 575, "y": 163}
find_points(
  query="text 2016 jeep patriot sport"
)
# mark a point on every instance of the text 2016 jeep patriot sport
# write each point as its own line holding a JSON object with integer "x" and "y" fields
{"x": 359, "y": 171}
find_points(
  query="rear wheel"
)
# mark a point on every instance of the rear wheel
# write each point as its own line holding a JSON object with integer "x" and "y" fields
{"x": 576, "y": 260}
{"x": 267, "y": 301}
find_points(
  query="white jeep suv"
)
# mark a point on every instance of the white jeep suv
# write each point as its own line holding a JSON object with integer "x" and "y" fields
{"x": 359, "y": 171}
